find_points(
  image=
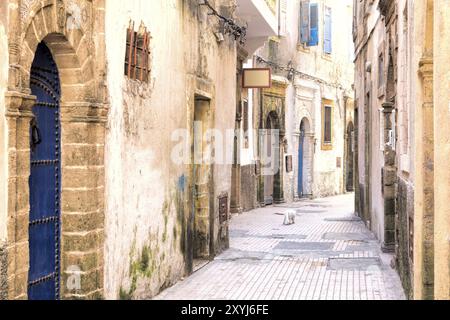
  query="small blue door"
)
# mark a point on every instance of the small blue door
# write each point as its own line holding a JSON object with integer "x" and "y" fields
{"x": 300, "y": 163}
{"x": 45, "y": 179}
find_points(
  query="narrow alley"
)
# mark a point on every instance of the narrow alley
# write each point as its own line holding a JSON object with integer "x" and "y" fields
{"x": 153, "y": 150}
{"x": 327, "y": 254}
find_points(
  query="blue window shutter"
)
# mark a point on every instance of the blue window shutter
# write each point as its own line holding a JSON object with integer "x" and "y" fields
{"x": 313, "y": 25}
{"x": 304, "y": 22}
{"x": 327, "y": 40}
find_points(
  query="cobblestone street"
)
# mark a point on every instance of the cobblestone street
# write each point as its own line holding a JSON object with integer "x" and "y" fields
{"x": 327, "y": 254}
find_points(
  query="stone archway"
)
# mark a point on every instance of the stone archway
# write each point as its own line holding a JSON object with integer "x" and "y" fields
{"x": 273, "y": 108}
{"x": 81, "y": 66}
{"x": 304, "y": 166}
{"x": 271, "y": 156}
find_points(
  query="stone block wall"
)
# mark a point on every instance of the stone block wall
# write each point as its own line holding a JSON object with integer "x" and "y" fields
{"x": 404, "y": 214}
{"x": 248, "y": 187}
{"x": 77, "y": 47}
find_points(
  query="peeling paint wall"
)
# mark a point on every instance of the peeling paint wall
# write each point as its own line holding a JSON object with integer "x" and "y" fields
{"x": 147, "y": 195}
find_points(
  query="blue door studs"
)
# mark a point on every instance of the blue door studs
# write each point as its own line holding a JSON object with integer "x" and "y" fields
{"x": 45, "y": 179}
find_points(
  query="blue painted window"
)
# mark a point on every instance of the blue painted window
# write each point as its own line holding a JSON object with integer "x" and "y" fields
{"x": 309, "y": 23}
{"x": 327, "y": 39}
{"x": 313, "y": 25}
{"x": 304, "y": 22}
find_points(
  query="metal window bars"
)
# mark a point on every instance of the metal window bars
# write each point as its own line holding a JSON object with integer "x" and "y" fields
{"x": 137, "y": 54}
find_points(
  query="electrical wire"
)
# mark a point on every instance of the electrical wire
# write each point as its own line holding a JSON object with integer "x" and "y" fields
{"x": 292, "y": 72}
{"x": 230, "y": 27}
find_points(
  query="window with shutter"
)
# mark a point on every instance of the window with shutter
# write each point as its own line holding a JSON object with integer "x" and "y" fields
{"x": 304, "y": 22}
{"x": 283, "y": 18}
{"x": 313, "y": 25}
{"x": 327, "y": 39}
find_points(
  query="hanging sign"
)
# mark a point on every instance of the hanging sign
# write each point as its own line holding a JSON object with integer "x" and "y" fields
{"x": 257, "y": 78}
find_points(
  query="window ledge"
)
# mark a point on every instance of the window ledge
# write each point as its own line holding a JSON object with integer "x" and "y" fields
{"x": 327, "y": 56}
{"x": 327, "y": 146}
{"x": 303, "y": 48}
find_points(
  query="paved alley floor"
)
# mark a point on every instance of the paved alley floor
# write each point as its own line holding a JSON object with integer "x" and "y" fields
{"x": 327, "y": 254}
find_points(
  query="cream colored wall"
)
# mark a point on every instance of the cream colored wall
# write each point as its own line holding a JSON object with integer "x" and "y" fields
{"x": 376, "y": 47}
{"x": 405, "y": 89}
{"x": 419, "y": 33}
{"x": 248, "y": 154}
{"x": 442, "y": 148}
{"x": 4, "y": 58}
{"x": 142, "y": 183}
{"x": 372, "y": 42}
{"x": 304, "y": 96}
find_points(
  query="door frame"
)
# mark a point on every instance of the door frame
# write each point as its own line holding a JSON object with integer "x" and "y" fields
{"x": 301, "y": 154}
{"x": 83, "y": 109}
{"x": 203, "y": 249}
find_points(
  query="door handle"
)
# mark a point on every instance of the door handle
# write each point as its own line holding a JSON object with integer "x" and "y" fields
{"x": 35, "y": 134}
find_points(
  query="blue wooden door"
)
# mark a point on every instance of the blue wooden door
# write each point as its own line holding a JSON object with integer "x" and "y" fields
{"x": 300, "y": 163}
{"x": 45, "y": 179}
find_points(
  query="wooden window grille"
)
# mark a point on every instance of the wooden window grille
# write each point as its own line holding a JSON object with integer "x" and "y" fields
{"x": 137, "y": 54}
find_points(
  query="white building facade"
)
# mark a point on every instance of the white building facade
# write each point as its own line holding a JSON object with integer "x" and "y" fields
{"x": 312, "y": 65}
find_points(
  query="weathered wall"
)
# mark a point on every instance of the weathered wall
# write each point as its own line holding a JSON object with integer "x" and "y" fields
{"x": 3, "y": 145}
{"x": 442, "y": 149}
{"x": 147, "y": 193}
{"x": 369, "y": 44}
{"x": 248, "y": 187}
{"x": 423, "y": 193}
{"x": 376, "y": 156}
{"x": 248, "y": 150}
{"x": 336, "y": 76}
{"x": 416, "y": 88}
{"x": 3, "y": 136}
{"x": 349, "y": 146}
{"x": 404, "y": 211}
{"x": 327, "y": 77}
{"x": 404, "y": 224}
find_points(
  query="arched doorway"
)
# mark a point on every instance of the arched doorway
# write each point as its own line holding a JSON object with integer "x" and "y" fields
{"x": 67, "y": 129}
{"x": 301, "y": 145}
{"x": 45, "y": 178}
{"x": 304, "y": 160}
{"x": 350, "y": 185}
{"x": 272, "y": 172}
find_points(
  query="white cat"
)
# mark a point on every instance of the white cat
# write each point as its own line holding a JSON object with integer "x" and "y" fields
{"x": 289, "y": 217}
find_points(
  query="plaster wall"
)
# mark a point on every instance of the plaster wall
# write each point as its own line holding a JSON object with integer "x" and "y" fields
{"x": 146, "y": 191}
{"x": 4, "y": 62}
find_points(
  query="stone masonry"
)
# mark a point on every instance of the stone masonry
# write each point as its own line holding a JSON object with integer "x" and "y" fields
{"x": 78, "y": 48}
